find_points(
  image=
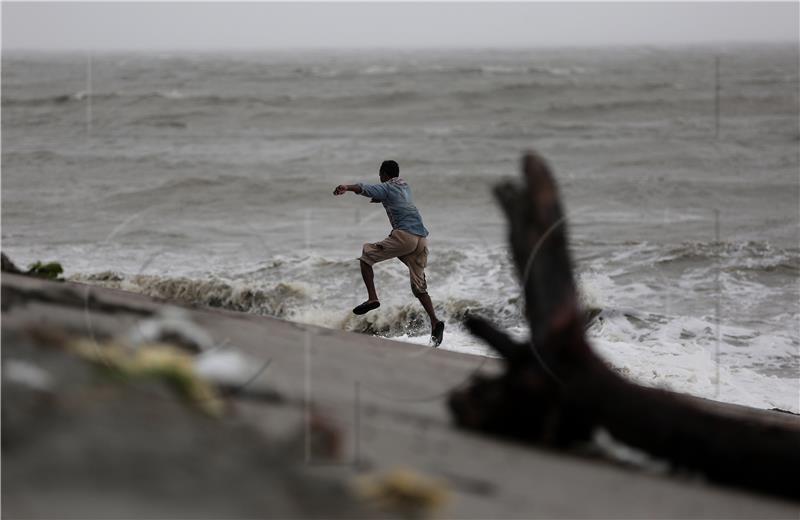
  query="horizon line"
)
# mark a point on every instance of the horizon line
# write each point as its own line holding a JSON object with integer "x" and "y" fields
{"x": 492, "y": 47}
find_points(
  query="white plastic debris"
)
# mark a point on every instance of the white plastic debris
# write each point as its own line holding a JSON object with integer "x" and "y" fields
{"x": 627, "y": 454}
{"x": 27, "y": 374}
{"x": 226, "y": 367}
{"x": 171, "y": 325}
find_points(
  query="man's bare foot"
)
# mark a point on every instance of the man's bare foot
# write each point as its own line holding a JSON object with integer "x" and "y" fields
{"x": 437, "y": 333}
{"x": 366, "y": 307}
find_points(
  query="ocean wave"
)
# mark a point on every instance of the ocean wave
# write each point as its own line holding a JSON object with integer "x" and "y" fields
{"x": 769, "y": 80}
{"x": 214, "y": 100}
{"x": 175, "y": 96}
{"x": 616, "y": 105}
{"x": 408, "y": 319}
{"x": 735, "y": 255}
{"x": 527, "y": 86}
{"x": 683, "y": 102}
{"x": 388, "y": 70}
{"x": 188, "y": 189}
{"x": 443, "y": 263}
{"x": 41, "y": 156}
{"x": 211, "y": 100}
{"x": 504, "y": 70}
{"x": 167, "y": 120}
{"x": 684, "y": 354}
{"x": 374, "y": 98}
{"x": 277, "y": 301}
{"x": 380, "y": 70}
{"x": 298, "y": 301}
{"x": 57, "y": 99}
{"x": 180, "y": 96}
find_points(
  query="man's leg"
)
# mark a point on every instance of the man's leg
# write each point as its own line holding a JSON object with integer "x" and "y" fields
{"x": 390, "y": 247}
{"x": 369, "y": 281}
{"x": 437, "y": 325}
{"x": 427, "y": 304}
{"x": 416, "y": 262}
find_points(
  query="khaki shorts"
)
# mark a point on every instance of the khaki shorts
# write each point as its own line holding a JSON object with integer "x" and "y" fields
{"x": 411, "y": 249}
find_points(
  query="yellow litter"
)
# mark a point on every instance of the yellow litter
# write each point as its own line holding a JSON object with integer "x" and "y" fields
{"x": 156, "y": 360}
{"x": 404, "y": 491}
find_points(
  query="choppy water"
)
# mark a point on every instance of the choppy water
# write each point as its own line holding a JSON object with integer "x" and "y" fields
{"x": 207, "y": 178}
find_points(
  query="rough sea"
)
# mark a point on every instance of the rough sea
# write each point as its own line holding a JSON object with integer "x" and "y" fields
{"x": 207, "y": 178}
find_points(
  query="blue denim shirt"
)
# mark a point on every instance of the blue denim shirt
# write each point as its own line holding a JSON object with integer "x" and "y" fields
{"x": 395, "y": 194}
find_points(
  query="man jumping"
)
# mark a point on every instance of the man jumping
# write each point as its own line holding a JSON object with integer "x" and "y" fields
{"x": 406, "y": 242}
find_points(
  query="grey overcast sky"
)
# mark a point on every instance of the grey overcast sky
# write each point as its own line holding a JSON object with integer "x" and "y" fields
{"x": 201, "y": 26}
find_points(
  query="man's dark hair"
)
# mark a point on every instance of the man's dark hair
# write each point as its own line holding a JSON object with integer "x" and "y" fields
{"x": 390, "y": 168}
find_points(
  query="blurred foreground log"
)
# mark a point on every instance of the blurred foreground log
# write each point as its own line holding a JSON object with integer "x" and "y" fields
{"x": 556, "y": 391}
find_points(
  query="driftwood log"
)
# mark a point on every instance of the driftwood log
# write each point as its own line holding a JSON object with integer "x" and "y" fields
{"x": 556, "y": 391}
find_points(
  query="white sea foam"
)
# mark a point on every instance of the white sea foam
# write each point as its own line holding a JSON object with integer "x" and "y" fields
{"x": 692, "y": 369}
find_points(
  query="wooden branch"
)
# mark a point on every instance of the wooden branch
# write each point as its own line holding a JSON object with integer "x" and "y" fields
{"x": 556, "y": 391}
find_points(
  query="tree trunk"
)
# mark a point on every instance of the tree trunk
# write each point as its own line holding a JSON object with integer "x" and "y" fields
{"x": 556, "y": 391}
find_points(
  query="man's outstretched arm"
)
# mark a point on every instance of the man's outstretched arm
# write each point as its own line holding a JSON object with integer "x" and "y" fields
{"x": 376, "y": 192}
{"x": 343, "y": 188}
